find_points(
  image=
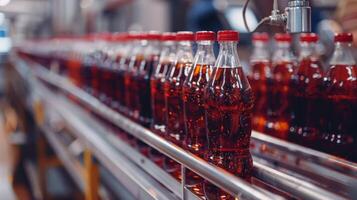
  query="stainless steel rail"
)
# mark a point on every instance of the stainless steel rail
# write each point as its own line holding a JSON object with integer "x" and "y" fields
{"x": 216, "y": 175}
{"x": 321, "y": 158}
{"x": 112, "y": 160}
{"x": 69, "y": 162}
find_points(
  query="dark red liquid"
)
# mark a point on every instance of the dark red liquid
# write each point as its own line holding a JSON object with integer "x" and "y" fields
{"x": 306, "y": 103}
{"x": 339, "y": 123}
{"x": 175, "y": 125}
{"x": 86, "y": 76}
{"x": 121, "y": 90}
{"x": 193, "y": 97}
{"x": 279, "y": 106}
{"x": 229, "y": 104}
{"x": 158, "y": 107}
{"x": 142, "y": 79}
{"x": 259, "y": 82}
{"x": 143, "y": 83}
{"x": 158, "y": 97}
{"x": 74, "y": 70}
{"x": 175, "y": 128}
{"x": 95, "y": 69}
{"x": 116, "y": 94}
{"x": 194, "y": 108}
{"x": 132, "y": 100}
{"x": 107, "y": 84}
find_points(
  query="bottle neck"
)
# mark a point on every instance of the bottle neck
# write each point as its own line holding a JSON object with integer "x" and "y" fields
{"x": 138, "y": 48}
{"x": 283, "y": 52}
{"x": 228, "y": 55}
{"x": 168, "y": 52}
{"x": 342, "y": 54}
{"x": 308, "y": 50}
{"x": 153, "y": 48}
{"x": 184, "y": 52}
{"x": 204, "y": 54}
{"x": 260, "y": 51}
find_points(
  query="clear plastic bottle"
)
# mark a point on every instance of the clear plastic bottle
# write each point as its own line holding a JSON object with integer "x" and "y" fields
{"x": 106, "y": 82}
{"x": 175, "y": 127}
{"x": 116, "y": 54}
{"x": 151, "y": 59}
{"x": 307, "y": 94}
{"x": 258, "y": 78}
{"x": 339, "y": 123}
{"x": 157, "y": 81}
{"x": 137, "y": 57}
{"x": 166, "y": 61}
{"x": 98, "y": 57}
{"x": 88, "y": 61}
{"x": 142, "y": 79}
{"x": 194, "y": 108}
{"x": 229, "y": 104}
{"x": 279, "y": 88}
{"x": 193, "y": 93}
{"x": 123, "y": 65}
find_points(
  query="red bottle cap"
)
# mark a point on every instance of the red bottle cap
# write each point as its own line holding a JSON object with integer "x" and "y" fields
{"x": 142, "y": 36}
{"x": 283, "y": 37}
{"x": 205, "y": 35}
{"x": 105, "y": 36}
{"x": 168, "y": 36}
{"x": 264, "y": 37}
{"x": 343, "y": 37}
{"x": 185, "y": 36}
{"x": 119, "y": 37}
{"x": 153, "y": 35}
{"x": 309, "y": 37}
{"x": 134, "y": 35}
{"x": 228, "y": 35}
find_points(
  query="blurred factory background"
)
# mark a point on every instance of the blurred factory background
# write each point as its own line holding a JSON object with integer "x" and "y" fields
{"x": 29, "y": 18}
{"x": 21, "y": 19}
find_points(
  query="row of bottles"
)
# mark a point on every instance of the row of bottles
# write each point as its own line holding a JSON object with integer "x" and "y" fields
{"x": 204, "y": 104}
{"x": 197, "y": 102}
{"x": 297, "y": 100}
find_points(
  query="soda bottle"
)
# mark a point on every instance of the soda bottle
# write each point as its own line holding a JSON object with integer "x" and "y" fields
{"x": 193, "y": 98}
{"x": 137, "y": 56}
{"x": 116, "y": 53}
{"x": 175, "y": 127}
{"x": 258, "y": 78}
{"x": 74, "y": 65}
{"x": 193, "y": 93}
{"x": 107, "y": 78}
{"x": 307, "y": 93}
{"x": 142, "y": 79}
{"x": 229, "y": 104}
{"x": 279, "y": 87}
{"x": 121, "y": 65}
{"x": 157, "y": 81}
{"x": 98, "y": 58}
{"x": 87, "y": 63}
{"x": 167, "y": 60}
{"x": 151, "y": 59}
{"x": 339, "y": 123}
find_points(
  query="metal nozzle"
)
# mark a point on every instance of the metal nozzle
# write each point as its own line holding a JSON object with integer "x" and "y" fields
{"x": 298, "y": 16}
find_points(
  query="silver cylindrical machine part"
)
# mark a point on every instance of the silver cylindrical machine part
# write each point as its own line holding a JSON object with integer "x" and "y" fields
{"x": 298, "y": 16}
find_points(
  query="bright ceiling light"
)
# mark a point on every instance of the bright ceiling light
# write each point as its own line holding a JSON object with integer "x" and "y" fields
{"x": 4, "y": 2}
